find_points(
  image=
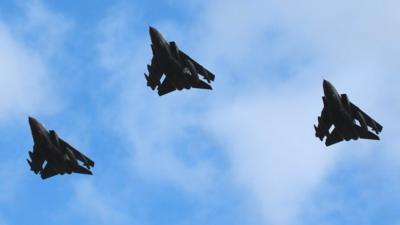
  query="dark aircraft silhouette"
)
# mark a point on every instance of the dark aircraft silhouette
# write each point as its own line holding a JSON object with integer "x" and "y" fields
{"x": 60, "y": 157}
{"x": 180, "y": 70}
{"x": 349, "y": 121}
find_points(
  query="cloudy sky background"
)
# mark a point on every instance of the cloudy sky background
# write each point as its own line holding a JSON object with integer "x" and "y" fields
{"x": 244, "y": 153}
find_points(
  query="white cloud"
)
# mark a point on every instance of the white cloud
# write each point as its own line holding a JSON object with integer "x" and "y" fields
{"x": 27, "y": 87}
{"x": 124, "y": 53}
{"x": 26, "y": 45}
{"x": 11, "y": 172}
{"x": 267, "y": 129}
{"x": 269, "y": 58}
{"x": 90, "y": 202}
{"x": 54, "y": 28}
{"x": 269, "y": 139}
{"x": 24, "y": 82}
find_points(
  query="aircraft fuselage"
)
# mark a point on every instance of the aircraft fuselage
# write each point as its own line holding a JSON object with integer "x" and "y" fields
{"x": 48, "y": 147}
{"x": 339, "y": 111}
{"x": 169, "y": 60}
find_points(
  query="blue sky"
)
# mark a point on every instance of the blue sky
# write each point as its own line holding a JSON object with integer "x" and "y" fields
{"x": 244, "y": 153}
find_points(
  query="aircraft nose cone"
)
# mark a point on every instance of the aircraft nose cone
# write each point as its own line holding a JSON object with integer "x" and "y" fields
{"x": 153, "y": 32}
{"x": 155, "y": 36}
{"x": 34, "y": 125}
{"x": 151, "y": 29}
{"x": 329, "y": 90}
{"x": 31, "y": 120}
{"x": 326, "y": 84}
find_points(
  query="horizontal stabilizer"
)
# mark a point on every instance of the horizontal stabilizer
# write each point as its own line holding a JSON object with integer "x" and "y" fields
{"x": 48, "y": 171}
{"x": 201, "y": 84}
{"x": 202, "y": 71}
{"x": 79, "y": 156}
{"x": 365, "y": 134}
{"x": 368, "y": 120}
{"x": 165, "y": 87}
{"x": 82, "y": 170}
{"x": 333, "y": 138}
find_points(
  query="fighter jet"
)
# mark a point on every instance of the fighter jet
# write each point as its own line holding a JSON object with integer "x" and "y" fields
{"x": 60, "y": 157}
{"x": 349, "y": 121}
{"x": 180, "y": 70}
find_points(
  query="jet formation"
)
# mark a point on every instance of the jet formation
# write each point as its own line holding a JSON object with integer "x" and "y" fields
{"x": 180, "y": 70}
{"x": 60, "y": 157}
{"x": 349, "y": 121}
{"x": 51, "y": 155}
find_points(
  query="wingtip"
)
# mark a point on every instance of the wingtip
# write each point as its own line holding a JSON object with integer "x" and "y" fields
{"x": 327, "y": 144}
{"x": 316, "y": 133}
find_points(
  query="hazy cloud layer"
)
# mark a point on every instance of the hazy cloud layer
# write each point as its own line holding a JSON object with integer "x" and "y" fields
{"x": 251, "y": 136}
{"x": 27, "y": 87}
{"x": 95, "y": 205}
{"x": 125, "y": 55}
{"x": 270, "y": 62}
{"x": 268, "y": 130}
{"x": 24, "y": 82}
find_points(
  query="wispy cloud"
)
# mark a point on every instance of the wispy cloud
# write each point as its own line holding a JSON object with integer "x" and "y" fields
{"x": 24, "y": 84}
{"x": 27, "y": 87}
{"x": 267, "y": 128}
{"x": 253, "y": 133}
{"x": 27, "y": 47}
{"x": 12, "y": 175}
{"x": 91, "y": 203}
{"x": 270, "y": 62}
{"x": 54, "y": 28}
{"x": 278, "y": 160}
{"x": 124, "y": 54}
